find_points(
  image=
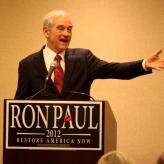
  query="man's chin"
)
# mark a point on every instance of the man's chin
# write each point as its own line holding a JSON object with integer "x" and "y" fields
{"x": 63, "y": 48}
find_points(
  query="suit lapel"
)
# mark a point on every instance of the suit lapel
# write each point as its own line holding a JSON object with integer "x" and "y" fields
{"x": 42, "y": 70}
{"x": 69, "y": 65}
{"x": 40, "y": 64}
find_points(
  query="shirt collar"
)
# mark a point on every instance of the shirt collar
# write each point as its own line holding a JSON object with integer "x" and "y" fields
{"x": 53, "y": 54}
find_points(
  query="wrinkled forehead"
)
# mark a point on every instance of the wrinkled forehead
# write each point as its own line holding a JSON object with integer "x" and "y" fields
{"x": 62, "y": 20}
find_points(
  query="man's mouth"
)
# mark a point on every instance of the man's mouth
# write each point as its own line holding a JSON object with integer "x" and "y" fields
{"x": 64, "y": 40}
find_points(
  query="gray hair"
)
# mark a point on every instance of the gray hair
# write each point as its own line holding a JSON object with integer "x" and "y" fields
{"x": 47, "y": 20}
{"x": 115, "y": 157}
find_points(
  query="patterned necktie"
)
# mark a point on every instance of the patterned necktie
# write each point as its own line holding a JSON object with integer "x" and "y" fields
{"x": 58, "y": 74}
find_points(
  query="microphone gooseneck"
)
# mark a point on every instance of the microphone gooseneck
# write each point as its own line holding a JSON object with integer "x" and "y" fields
{"x": 53, "y": 65}
{"x": 80, "y": 93}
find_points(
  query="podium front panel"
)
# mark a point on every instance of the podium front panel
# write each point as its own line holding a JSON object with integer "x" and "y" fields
{"x": 53, "y": 131}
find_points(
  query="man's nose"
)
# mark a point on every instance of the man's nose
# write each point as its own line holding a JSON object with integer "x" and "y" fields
{"x": 66, "y": 32}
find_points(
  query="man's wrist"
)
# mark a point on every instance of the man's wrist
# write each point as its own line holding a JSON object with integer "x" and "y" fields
{"x": 144, "y": 65}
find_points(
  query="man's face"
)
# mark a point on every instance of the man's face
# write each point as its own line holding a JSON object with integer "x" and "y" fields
{"x": 59, "y": 35}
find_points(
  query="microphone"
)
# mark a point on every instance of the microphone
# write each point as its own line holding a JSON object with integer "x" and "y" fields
{"x": 53, "y": 65}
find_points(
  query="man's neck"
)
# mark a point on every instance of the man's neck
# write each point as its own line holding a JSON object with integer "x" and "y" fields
{"x": 53, "y": 49}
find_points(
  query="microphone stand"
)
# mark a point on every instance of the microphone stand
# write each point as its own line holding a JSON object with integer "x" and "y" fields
{"x": 53, "y": 65}
{"x": 81, "y": 93}
{"x": 39, "y": 92}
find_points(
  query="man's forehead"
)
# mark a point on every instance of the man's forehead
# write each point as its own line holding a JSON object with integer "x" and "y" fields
{"x": 62, "y": 21}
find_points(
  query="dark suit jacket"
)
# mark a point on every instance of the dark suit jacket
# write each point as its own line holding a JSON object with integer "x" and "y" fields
{"x": 81, "y": 68}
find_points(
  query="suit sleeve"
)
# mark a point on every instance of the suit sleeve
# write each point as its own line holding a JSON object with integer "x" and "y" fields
{"x": 99, "y": 69}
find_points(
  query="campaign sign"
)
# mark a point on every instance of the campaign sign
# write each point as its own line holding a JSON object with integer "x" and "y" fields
{"x": 53, "y": 125}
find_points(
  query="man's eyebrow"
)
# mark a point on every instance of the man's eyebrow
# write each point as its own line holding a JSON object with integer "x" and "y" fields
{"x": 70, "y": 26}
{"x": 60, "y": 26}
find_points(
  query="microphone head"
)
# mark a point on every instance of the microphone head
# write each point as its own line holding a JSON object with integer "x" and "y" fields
{"x": 53, "y": 64}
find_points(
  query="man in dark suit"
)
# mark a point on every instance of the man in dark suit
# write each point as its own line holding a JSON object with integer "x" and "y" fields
{"x": 79, "y": 66}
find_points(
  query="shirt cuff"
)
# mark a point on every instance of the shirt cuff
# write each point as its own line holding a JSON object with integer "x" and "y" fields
{"x": 143, "y": 65}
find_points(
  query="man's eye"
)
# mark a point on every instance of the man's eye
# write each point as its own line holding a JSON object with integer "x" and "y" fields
{"x": 69, "y": 29}
{"x": 60, "y": 28}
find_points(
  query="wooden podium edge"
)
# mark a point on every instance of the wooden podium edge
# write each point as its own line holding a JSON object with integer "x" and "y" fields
{"x": 110, "y": 129}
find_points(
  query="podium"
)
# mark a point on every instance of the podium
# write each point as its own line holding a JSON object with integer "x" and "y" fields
{"x": 57, "y": 132}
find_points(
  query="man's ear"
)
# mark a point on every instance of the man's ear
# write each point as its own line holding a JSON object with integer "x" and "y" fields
{"x": 46, "y": 31}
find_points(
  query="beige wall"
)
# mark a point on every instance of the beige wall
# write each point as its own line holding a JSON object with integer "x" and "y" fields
{"x": 115, "y": 30}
